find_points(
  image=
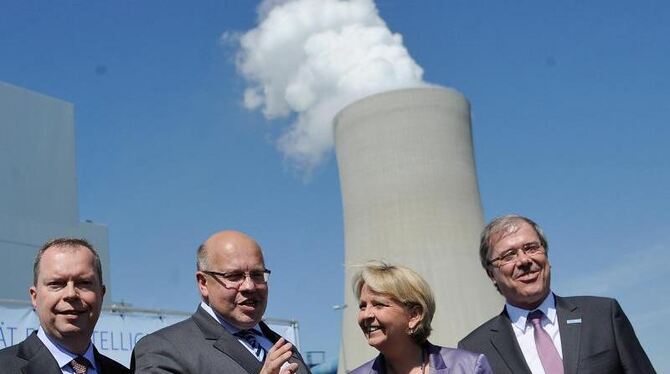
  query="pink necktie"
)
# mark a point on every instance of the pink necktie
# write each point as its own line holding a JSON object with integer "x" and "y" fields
{"x": 551, "y": 360}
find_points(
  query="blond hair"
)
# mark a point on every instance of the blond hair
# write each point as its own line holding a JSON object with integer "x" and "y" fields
{"x": 403, "y": 285}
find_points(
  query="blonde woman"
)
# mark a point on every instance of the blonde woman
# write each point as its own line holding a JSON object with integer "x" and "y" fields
{"x": 396, "y": 307}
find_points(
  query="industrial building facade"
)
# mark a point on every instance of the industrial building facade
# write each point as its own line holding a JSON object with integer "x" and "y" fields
{"x": 38, "y": 186}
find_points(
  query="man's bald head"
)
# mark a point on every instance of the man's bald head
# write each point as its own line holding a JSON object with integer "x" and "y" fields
{"x": 226, "y": 240}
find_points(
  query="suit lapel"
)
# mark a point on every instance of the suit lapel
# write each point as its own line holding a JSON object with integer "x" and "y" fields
{"x": 570, "y": 332}
{"x": 102, "y": 361}
{"x": 98, "y": 360}
{"x": 39, "y": 359}
{"x": 271, "y": 335}
{"x": 505, "y": 343}
{"x": 43, "y": 363}
{"x": 229, "y": 345}
{"x": 295, "y": 355}
{"x": 225, "y": 341}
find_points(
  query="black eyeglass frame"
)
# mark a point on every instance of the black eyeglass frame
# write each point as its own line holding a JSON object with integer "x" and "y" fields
{"x": 247, "y": 274}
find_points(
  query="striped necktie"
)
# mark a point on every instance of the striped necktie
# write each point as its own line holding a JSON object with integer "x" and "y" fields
{"x": 249, "y": 336}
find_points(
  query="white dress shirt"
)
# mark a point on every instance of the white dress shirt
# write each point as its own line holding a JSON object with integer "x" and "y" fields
{"x": 261, "y": 339}
{"x": 64, "y": 357}
{"x": 523, "y": 330}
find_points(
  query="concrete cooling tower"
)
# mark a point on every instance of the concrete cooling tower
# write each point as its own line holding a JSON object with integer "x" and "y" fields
{"x": 410, "y": 196}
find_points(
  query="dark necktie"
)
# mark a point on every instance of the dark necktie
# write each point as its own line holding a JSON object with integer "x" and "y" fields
{"x": 80, "y": 365}
{"x": 250, "y": 337}
{"x": 549, "y": 357}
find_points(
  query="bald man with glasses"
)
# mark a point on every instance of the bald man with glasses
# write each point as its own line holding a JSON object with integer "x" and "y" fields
{"x": 538, "y": 331}
{"x": 226, "y": 333}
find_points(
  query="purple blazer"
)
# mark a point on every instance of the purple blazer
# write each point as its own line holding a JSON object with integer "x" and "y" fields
{"x": 441, "y": 360}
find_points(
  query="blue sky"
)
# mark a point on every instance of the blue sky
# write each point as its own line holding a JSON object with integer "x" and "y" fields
{"x": 570, "y": 124}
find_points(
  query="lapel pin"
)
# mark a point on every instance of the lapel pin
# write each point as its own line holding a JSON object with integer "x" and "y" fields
{"x": 574, "y": 321}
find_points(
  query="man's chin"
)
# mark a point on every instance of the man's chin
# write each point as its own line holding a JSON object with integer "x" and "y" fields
{"x": 247, "y": 321}
{"x": 69, "y": 331}
{"x": 536, "y": 296}
{"x": 251, "y": 313}
{"x": 72, "y": 327}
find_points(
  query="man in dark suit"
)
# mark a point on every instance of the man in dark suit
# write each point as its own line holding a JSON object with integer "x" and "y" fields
{"x": 67, "y": 295}
{"x": 225, "y": 334}
{"x": 538, "y": 331}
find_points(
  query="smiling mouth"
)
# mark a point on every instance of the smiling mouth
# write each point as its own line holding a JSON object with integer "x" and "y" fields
{"x": 528, "y": 277}
{"x": 248, "y": 303}
{"x": 369, "y": 329}
{"x": 72, "y": 313}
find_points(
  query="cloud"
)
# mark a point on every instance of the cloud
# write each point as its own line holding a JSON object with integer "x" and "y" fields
{"x": 310, "y": 58}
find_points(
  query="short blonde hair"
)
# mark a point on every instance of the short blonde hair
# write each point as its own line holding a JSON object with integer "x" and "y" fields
{"x": 403, "y": 285}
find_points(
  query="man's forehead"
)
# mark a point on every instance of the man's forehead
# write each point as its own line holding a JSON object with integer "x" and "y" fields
{"x": 231, "y": 253}
{"x": 59, "y": 251}
{"x": 508, "y": 229}
{"x": 54, "y": 256}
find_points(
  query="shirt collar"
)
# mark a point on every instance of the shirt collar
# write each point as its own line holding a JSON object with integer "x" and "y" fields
{"x": 518, "y": 316}
{"x": 226, "y": 325}
{"x": 60, "y": 353}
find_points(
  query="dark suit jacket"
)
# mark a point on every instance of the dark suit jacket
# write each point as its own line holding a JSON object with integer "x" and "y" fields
{"x": 199, "y": 345}
{"x": 31, "y": 356}
{"x": 441, "y": 360}
{"x": 598, "y": 339}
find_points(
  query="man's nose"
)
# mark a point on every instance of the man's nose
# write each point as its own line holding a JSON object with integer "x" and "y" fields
{"x": 523, "y": 257}
{"x": 247, "y": 283}
{"x": 70, "y": 291}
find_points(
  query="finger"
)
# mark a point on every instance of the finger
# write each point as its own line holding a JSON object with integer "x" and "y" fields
{"x": 279, "y": 349}
{"x": 278, "y": 358}
{"x": 289, "y": 368}
{"x": 276, "y": 345}
{"x": 280, "y": 352}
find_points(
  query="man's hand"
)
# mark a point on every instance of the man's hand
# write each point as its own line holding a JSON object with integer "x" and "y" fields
{"x": 276, "y": 361}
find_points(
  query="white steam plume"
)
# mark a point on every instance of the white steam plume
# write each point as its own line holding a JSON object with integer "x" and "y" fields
{"x": 312, "y": 58}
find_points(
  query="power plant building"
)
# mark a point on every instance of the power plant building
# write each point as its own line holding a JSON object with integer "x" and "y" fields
{"x": 38, "y": 187}
{"x": 410, "y": 197}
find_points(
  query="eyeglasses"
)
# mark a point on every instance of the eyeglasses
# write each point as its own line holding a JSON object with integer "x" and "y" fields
{"x": 511, "y": 255}
{"x": 234, "y": 279}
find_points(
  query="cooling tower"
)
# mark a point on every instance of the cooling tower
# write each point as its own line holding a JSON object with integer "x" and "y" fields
{"x": 410, "y": 196}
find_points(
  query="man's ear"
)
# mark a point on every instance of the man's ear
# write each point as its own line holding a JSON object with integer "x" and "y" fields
{"x": 202, "y": 284}
{"x": 33, "y": 296}
{"x": 489, "y": 272}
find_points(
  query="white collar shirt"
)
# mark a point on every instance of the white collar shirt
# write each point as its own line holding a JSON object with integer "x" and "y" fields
{"x": 524, "y": 331}
{"x": 260, "y": 337}
{"x": 64, "y": 357}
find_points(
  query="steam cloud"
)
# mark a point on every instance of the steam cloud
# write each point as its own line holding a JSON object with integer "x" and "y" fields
{"x": 313, "y": 57}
